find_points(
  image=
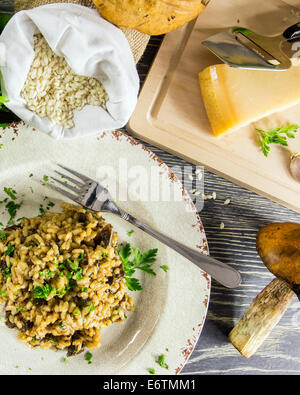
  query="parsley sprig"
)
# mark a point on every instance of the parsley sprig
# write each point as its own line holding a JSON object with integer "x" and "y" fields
{"x": 276, "y": 136}
{"x": 142, "y": 261}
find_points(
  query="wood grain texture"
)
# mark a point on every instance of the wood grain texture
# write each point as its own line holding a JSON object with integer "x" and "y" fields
{"x": 171, "y": 114}
{"x": 235, "y": 245}
{"x": 6, "y": 5}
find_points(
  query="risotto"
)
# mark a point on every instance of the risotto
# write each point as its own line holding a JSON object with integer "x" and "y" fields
{"x": 62, "y": 280}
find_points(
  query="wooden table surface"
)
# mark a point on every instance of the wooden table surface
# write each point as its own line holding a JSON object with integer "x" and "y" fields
{"x": 235, "y": 245}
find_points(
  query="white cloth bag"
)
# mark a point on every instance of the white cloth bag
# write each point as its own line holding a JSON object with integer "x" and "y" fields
{"x": 91, "y": 46}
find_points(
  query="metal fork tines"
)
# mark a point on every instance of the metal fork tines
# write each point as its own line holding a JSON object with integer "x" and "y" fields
{"x": 80, "y": 192}
{"x": 93, "y": 196}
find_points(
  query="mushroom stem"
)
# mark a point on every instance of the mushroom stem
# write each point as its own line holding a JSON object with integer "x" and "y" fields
{"x": 261, "y": 317}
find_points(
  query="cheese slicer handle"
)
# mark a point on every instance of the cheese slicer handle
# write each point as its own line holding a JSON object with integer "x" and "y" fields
{"x": 292, "y": 32}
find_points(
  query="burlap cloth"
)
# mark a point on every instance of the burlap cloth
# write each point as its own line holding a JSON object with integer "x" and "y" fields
{"x": 137, "y": 41}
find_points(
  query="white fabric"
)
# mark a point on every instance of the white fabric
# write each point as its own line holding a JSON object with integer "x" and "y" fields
{"x": 2, "y": 54}
{"x": 92, "y": 47}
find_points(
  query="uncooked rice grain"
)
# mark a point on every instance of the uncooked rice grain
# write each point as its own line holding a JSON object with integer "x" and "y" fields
{"x": 53, "y": 90}
{"x": 62, "y": 280}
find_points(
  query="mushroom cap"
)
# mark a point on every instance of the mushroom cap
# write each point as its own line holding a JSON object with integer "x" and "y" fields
{"x": 278, "y": 245}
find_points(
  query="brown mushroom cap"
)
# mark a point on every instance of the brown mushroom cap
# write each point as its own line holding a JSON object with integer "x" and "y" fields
{"x": 278, "y": 245}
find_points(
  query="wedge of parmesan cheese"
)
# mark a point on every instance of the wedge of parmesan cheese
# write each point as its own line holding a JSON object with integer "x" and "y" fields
{"x": 236, "y": 97}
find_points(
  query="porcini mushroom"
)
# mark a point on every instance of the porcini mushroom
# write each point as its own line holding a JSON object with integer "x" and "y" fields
{"x": 278, "y": 245}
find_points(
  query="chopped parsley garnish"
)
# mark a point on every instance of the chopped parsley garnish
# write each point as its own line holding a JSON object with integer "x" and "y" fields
{"x": 81, "y": 257}
{"x": 62, "y": 266}
{"x": 165, "y": 268}
{"x": 2, "y": 235}
{"x": 142, "y": 261}
{"x": 71, "y": 285}
{"x": 90, "y": 308}
{"x": 46, "y": 273}
{"x": 76, "y": 311}
{"x": 12, "y": 209}
{"x": 151, "y": 371}
{"x": 161, "y": 361}
{"x": 11, "y": 204}
{"x": 130, "y": 232}
{"x": 10, "y": 249}
{"x": 88, "y": 357}
{"x": 276, "y": 136}
{"x": 42, "y": 292}
{"x": 7, "y": 271}
{"x": 76, "y": 270}
{"x": 11, "y": 193}
{"x": 78, "y": 275}
{"x": 46, "y": 178}
{"x": 42, "y": 209}
{"x": 72, "y": 265}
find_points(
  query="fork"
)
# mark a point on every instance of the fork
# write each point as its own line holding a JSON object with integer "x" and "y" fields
{"x": 91, "y": 195}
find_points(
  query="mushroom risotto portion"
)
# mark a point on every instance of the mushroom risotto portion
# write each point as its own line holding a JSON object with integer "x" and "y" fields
{"x": 61, "y": 279}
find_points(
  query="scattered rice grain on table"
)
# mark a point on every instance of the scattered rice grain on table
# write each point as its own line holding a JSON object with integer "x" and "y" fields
{"x": 53, "y": 90}
{"x": 62, "y": 280}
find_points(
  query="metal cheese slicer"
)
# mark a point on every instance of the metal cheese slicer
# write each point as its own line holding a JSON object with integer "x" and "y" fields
{"x": 241, "y": 47}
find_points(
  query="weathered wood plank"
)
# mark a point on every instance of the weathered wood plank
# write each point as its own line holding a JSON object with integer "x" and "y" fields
{"x": 6, "y": 5}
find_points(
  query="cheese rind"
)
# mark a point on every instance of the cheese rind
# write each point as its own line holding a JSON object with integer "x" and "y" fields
{"x": 236, "y": 97}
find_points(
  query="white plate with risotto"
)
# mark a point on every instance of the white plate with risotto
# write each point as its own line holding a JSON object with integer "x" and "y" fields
{"x": 64, "y": 287}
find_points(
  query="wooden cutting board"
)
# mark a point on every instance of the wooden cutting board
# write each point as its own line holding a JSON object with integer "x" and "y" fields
{"x": 170, "y": 112}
